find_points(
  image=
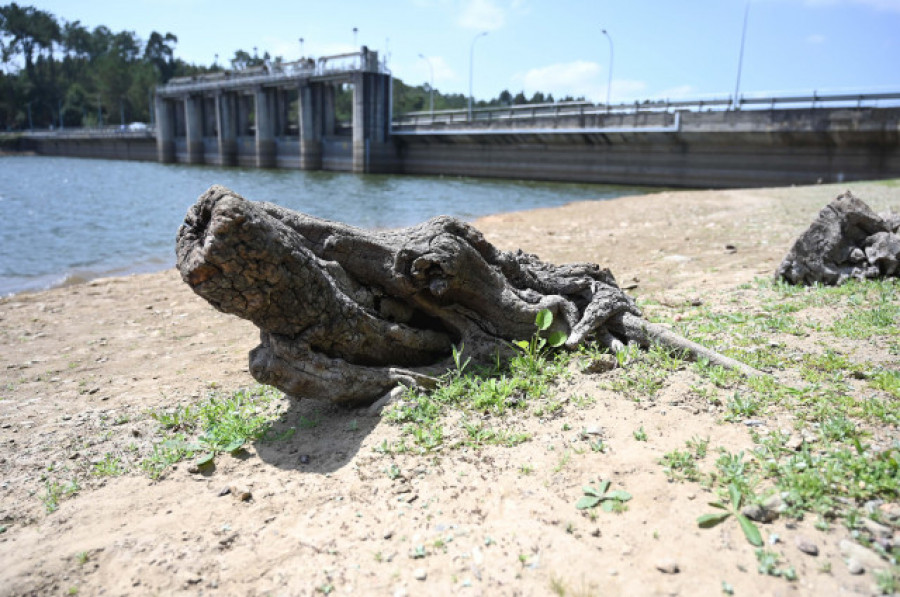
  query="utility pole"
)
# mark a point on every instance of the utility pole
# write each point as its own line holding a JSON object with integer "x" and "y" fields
{"x": 737, "y": 86}
{"x": 471, "y": 60}
{"x": 609, "y": 83}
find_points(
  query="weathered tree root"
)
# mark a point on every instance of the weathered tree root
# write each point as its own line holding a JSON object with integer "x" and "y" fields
{"x": 347, "y": 314}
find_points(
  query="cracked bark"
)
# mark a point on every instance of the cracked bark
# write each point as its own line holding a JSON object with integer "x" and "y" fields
{"x": 347, "y": 314}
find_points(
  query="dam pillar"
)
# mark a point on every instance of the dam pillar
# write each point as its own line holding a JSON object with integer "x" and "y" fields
{"x": 265, "y": 128}
{"x": 327, "y": 109}
{"x": 310, "y": 120}
{"x": 371, "y": 121}
{"x": 226, "y": 117}
{"x": 165, "y": 130}
{"x": 193, "y": 124}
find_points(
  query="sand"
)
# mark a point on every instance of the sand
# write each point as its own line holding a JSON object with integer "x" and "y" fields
{"x": 82, "y": 366}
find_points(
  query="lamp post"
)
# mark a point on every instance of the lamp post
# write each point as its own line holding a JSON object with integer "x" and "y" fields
{"x": 471, "y": 59}
{"x": 737, "y": 86}
{"x": 355, "y": 31}
{"x": 609, "y": 82}
{"x": 431, "y": 85}
{"x": 301, "y": 47}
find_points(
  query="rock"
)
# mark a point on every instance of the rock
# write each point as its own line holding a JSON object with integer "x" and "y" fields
{"x": 241, "y": 494}
{"x": 890, "y": 512}
{"x": 877, "y": 530}
{"x": 795, "y": 442}
{"x": 601, "y": 364}
{"x": 806, "y": 546}
{"x": 593, "y": 430}
{"x": 866, "y": 558}
{"x": 854, "y": 567}
{"x": 668, "y": 566}
{"x": 420, "y": 574}
{"x": 846, "y": 240}
{"x": 224, "y": 491}
{"x": 764, "y": 512}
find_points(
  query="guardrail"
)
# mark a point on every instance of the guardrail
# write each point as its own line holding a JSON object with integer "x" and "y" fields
{"x": 560, "y": 109}
{"x": 96, "y": 132}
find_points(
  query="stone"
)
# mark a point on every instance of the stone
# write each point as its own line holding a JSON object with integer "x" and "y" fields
{"x": 420, "y": 574}
{"x": 601, "y": 364}
{"x": 766, "y": 511}
{"x": 242, "y": 494}
{"x": 865, "y": 558}
{"x": 854, "y": 567}
{"x": 806, "y": 546}
{"x": 846, "y": 240}
{"x": 877, "y": 530}
{"x": 668, "y": 566}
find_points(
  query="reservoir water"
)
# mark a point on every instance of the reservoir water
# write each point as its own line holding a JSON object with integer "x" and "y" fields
{"x": 65, "y": 220}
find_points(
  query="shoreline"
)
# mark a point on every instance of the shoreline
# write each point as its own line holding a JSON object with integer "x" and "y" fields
{"x": 504, "y": 228}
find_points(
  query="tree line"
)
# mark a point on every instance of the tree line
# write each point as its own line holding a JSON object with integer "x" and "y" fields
{"x": 59, "y": 73}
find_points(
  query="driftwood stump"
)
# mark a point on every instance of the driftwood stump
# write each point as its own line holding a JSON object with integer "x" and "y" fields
{"x": 347, "y": 314}
{"x": 847, "y": 240}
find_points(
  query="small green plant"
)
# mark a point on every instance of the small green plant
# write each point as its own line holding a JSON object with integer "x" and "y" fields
{"x": 393, "y": 472}
{"x": 54, "y": 491}
{"x": 609, "y": 501}
{"x": 639, "y": 434}
{"x": 751, "y": 532}
{"x": 888, "y": 581}
{"x": 768, "y": 564}
{"x": 535, "y": 346}
{"x": 82, "y": 557}
{"x": 110, "y": 466}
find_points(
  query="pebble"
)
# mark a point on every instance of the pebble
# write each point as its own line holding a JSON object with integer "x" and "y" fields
{"x": 668, "y": 566}
{"x": 877, "y": 529}
{"x": 224, "y": 491}
{"x": 854, "y": 567}
{"x": 806, "y": 546}
{"x": 860, "y": 556}
{"x": 420, "y": 574}
{"x": 601, "y": 364}
{"x": 241, "y": 494}
{"x": 795, "y": 442}
{"x": 304, "y": 459}
{"x": 593, "y": 430}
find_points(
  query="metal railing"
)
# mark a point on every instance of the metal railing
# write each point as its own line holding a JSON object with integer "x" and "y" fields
{"x": 580, "y": 109}
{"x": 274, "y": 73}
{"x": 94, "y": 132}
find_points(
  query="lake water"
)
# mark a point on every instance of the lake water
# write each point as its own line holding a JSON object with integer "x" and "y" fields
{"x": 66, "y": 220}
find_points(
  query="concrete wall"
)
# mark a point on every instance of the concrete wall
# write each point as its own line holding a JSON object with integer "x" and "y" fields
{"x": 724, "y": 149}
{"x": 110, "y": 148}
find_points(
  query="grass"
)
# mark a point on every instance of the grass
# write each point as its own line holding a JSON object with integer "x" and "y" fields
{"x": 845, "y": 407}
{"x": 221, "y": 423}
{"x": 481, "y": 396}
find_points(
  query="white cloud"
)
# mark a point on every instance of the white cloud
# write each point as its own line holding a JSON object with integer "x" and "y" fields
{"x": 442, "y": 71}
{"x": 815, "y": 38}
{"x": 482, "y": 15}
{"x": 579, "y": 78}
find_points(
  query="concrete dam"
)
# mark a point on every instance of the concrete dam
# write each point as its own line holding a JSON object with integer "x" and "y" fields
{"x": 243, "y": 118}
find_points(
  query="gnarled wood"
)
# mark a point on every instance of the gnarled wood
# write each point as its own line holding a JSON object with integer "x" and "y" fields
{"x": 346, "y": 314}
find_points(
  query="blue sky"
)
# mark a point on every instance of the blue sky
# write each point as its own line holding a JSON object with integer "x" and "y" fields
{"x": 661, "y": 48}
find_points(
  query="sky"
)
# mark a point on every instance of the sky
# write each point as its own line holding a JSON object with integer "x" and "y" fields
{"x": 654, "y": 49}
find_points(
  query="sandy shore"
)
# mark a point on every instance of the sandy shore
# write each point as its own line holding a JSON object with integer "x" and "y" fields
{"x": 82, "y": 366}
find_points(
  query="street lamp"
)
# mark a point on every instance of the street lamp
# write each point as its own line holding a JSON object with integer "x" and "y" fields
{"x": 431, "y": 85}
{"x": 471, "y": 58}
{"x": 355, "y": 31}
{"x": 609, "y": 83}
{"x": 301, "y": 47}
{"x": 737, "y": 85}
